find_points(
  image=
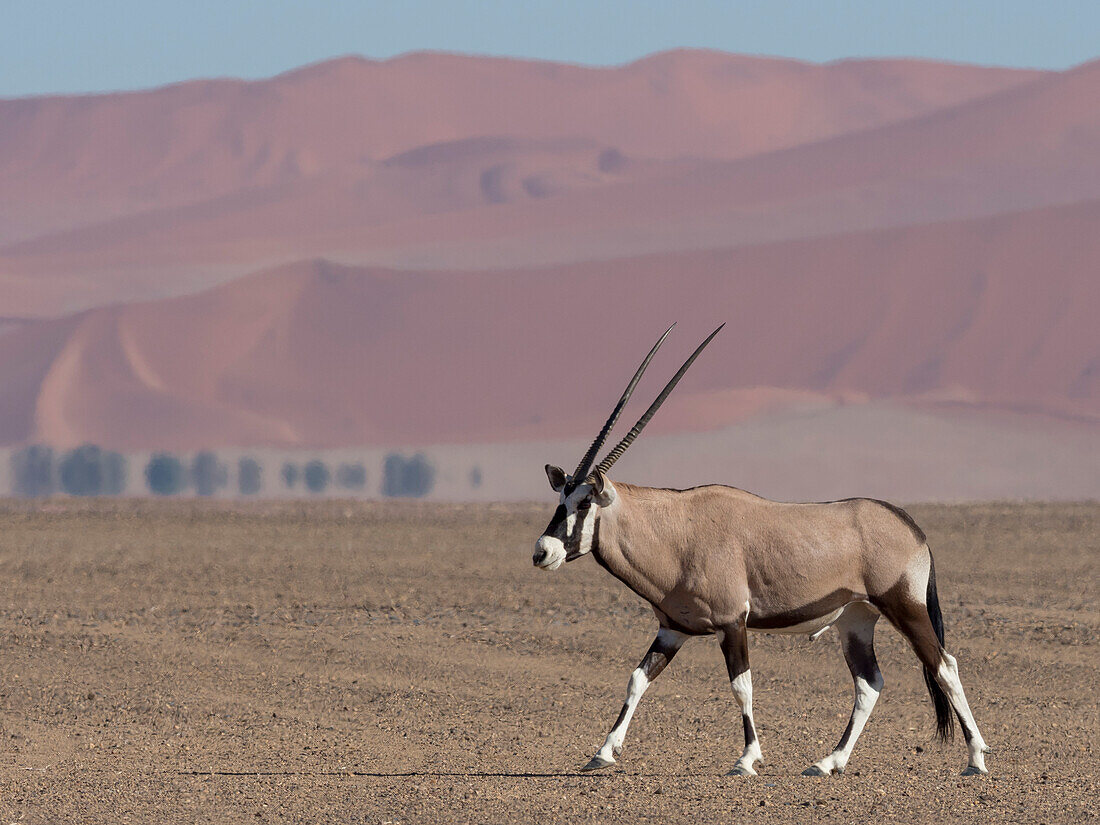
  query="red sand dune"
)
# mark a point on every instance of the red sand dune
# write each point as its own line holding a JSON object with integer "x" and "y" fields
{"x": 492, "y": 244}
{"x": 438, "y": 179}
{"x": 70, "y": 160}
{"x": 994, "y": 312}
{"x": 495, "y": 202}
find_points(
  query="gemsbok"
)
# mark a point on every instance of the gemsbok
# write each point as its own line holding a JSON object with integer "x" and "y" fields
{"x": 716, "y": 560}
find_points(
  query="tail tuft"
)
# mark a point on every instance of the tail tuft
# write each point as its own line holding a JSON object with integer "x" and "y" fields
{"x": 945, "y": 720}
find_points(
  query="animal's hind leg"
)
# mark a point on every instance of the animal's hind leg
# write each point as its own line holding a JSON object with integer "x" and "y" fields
{"x": 735, "y": 647}
{"x": 948, "y": 678}
{"x": 857, "y": 639}
{"x": 913, "y": 621}
{"x": 660, "y": 653}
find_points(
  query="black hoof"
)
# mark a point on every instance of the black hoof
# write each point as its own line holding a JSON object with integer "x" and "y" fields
{"x": 597, "y": 762}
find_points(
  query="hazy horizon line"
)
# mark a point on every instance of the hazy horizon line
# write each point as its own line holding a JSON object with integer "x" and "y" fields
{"x": 476, "y": 55}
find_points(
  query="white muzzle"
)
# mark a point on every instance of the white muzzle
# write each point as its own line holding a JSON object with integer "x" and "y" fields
{"x": 549, "y": 553}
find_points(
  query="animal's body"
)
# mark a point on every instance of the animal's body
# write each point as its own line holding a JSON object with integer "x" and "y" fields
{"x": 719, "y": 561}
{"x": 700, "y": 556}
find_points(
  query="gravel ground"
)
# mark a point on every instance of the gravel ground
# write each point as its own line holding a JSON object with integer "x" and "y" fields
{"x": 350, "y": 662}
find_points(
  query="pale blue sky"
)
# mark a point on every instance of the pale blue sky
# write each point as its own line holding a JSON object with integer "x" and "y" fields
{"x": 50, "y": 46}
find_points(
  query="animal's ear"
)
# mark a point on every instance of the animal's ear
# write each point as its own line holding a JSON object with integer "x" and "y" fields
{"x": 602, "y": 492}
{"x": 556, "y": 476}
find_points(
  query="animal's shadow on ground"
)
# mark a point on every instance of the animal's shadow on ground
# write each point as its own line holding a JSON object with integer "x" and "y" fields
{"x": 400, "y": 774}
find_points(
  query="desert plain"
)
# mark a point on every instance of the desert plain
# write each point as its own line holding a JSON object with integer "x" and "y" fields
{"x": 193, "y": 661}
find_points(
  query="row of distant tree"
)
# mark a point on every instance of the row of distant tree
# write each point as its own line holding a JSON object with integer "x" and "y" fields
{"x": 91, "y": 471}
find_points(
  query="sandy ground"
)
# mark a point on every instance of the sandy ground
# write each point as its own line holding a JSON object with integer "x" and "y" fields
{"x": 164, "y": 662}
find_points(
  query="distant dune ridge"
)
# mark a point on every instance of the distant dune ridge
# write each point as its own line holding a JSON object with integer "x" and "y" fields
{"x": 449, "y": 250}
{"x": 114, "y": 154}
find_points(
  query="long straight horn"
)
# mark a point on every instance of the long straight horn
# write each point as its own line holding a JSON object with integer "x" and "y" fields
{"x": 581, "y": 472}
{"x": 620, "y": 448}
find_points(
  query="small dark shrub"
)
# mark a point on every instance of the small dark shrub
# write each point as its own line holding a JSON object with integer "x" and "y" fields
{"x": 32, "y": 469}
{"x": 164, "y": 474}
{"x": 208, "y": 474}
{"x": 81, "y": 471}
{"x": 290, "y": 475}
{"x": 407, "y": 477}
{"x": 249, "y": 476}
{"x": 316, "y": 476}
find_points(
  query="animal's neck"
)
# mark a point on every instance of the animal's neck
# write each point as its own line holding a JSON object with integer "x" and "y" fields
{"x": 630, "y": 548}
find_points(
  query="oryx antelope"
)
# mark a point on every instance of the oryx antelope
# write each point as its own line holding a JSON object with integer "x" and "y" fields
{"x": 717, "y": 560}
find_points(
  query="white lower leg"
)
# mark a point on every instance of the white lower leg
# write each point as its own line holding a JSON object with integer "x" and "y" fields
{"x": 613, "y": 744}
{"x": 948, "y": 678}
{"x": 867, "y": 694}
{"x": 742, "y": 692}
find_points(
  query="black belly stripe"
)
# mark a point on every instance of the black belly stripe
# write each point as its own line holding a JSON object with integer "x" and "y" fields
{"x": 805, "y": 613}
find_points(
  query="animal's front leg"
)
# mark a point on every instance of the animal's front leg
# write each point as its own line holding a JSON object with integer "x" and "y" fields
{"x": 660, "y": 653}
{"x": 735, "y": 646}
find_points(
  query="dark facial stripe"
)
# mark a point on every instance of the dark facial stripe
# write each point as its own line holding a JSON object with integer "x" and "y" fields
{"x": 555, "y": 522}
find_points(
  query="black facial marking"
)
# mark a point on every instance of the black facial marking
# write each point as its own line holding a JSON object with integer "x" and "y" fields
{"x": 559, "y": 517}
{"x": 556, "y": 521}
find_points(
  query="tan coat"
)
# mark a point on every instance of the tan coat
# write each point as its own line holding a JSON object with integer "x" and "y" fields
{"x": 701, "y": 556}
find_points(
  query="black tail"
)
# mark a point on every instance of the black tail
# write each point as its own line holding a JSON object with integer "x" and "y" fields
{"x": 945, "y": 721}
